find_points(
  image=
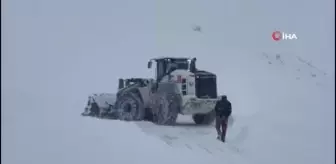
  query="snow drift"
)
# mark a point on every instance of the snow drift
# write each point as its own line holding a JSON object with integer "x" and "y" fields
{"x": 56, "y": 53}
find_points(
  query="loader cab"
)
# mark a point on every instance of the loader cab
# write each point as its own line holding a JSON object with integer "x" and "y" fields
{"x": 164, "y": 66}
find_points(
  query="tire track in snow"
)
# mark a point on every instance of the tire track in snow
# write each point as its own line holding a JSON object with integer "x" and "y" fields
{"x": 187, "y": 135}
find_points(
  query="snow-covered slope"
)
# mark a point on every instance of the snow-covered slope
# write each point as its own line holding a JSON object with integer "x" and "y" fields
{"x": 55, "y": 53}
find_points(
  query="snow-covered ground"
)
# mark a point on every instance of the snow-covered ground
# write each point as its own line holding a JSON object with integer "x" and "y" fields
{"x": 56, "y": 53}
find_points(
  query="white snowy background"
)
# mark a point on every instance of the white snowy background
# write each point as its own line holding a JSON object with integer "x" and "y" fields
{"x": 55, "y": 53}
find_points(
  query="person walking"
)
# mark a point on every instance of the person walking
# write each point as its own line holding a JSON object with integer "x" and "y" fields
{"x": 223, "y": 112}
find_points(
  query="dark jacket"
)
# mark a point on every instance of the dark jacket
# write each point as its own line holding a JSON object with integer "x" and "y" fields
{"x": 223, "y": 107}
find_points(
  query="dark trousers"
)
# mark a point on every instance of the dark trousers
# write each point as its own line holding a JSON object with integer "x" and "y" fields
{"x": 221, "y": 126}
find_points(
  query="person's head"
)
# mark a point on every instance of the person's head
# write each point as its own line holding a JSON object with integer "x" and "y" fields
{"x": 224, "y": 97}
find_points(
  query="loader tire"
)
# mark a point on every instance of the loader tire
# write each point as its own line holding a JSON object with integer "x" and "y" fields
{"x": 130, "y": 107}
{"x": 205, "y": 119}
{"x": 165, "y": 108}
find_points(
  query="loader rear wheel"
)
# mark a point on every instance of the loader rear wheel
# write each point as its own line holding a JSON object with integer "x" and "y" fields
{"x": 204, "y": 119}
{"x": 130, "y": 107}
{"x": 165, "y": 109}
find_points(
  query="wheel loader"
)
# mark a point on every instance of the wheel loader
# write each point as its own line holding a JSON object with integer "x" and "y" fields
{"x": 178, "y": 88}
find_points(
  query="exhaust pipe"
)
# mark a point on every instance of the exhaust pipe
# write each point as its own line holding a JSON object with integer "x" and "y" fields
{"x": 121, "y": 84}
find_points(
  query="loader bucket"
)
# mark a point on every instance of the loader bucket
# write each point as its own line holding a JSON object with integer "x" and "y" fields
{"x": 99, "y": 104}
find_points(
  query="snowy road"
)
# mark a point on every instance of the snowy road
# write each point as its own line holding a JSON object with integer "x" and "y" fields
{"x": 188, "y": 135}
{"x": 56, "y": 53}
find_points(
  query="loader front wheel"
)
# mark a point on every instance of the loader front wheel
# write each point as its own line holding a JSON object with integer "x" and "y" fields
{"x": 130, "y": 107}
{"x": 165, "y": 109}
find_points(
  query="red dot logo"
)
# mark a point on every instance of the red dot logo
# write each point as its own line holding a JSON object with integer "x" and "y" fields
{"x": 276, "y": 35}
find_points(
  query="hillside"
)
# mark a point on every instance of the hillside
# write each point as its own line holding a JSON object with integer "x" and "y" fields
{"x": 56, "y": 53}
